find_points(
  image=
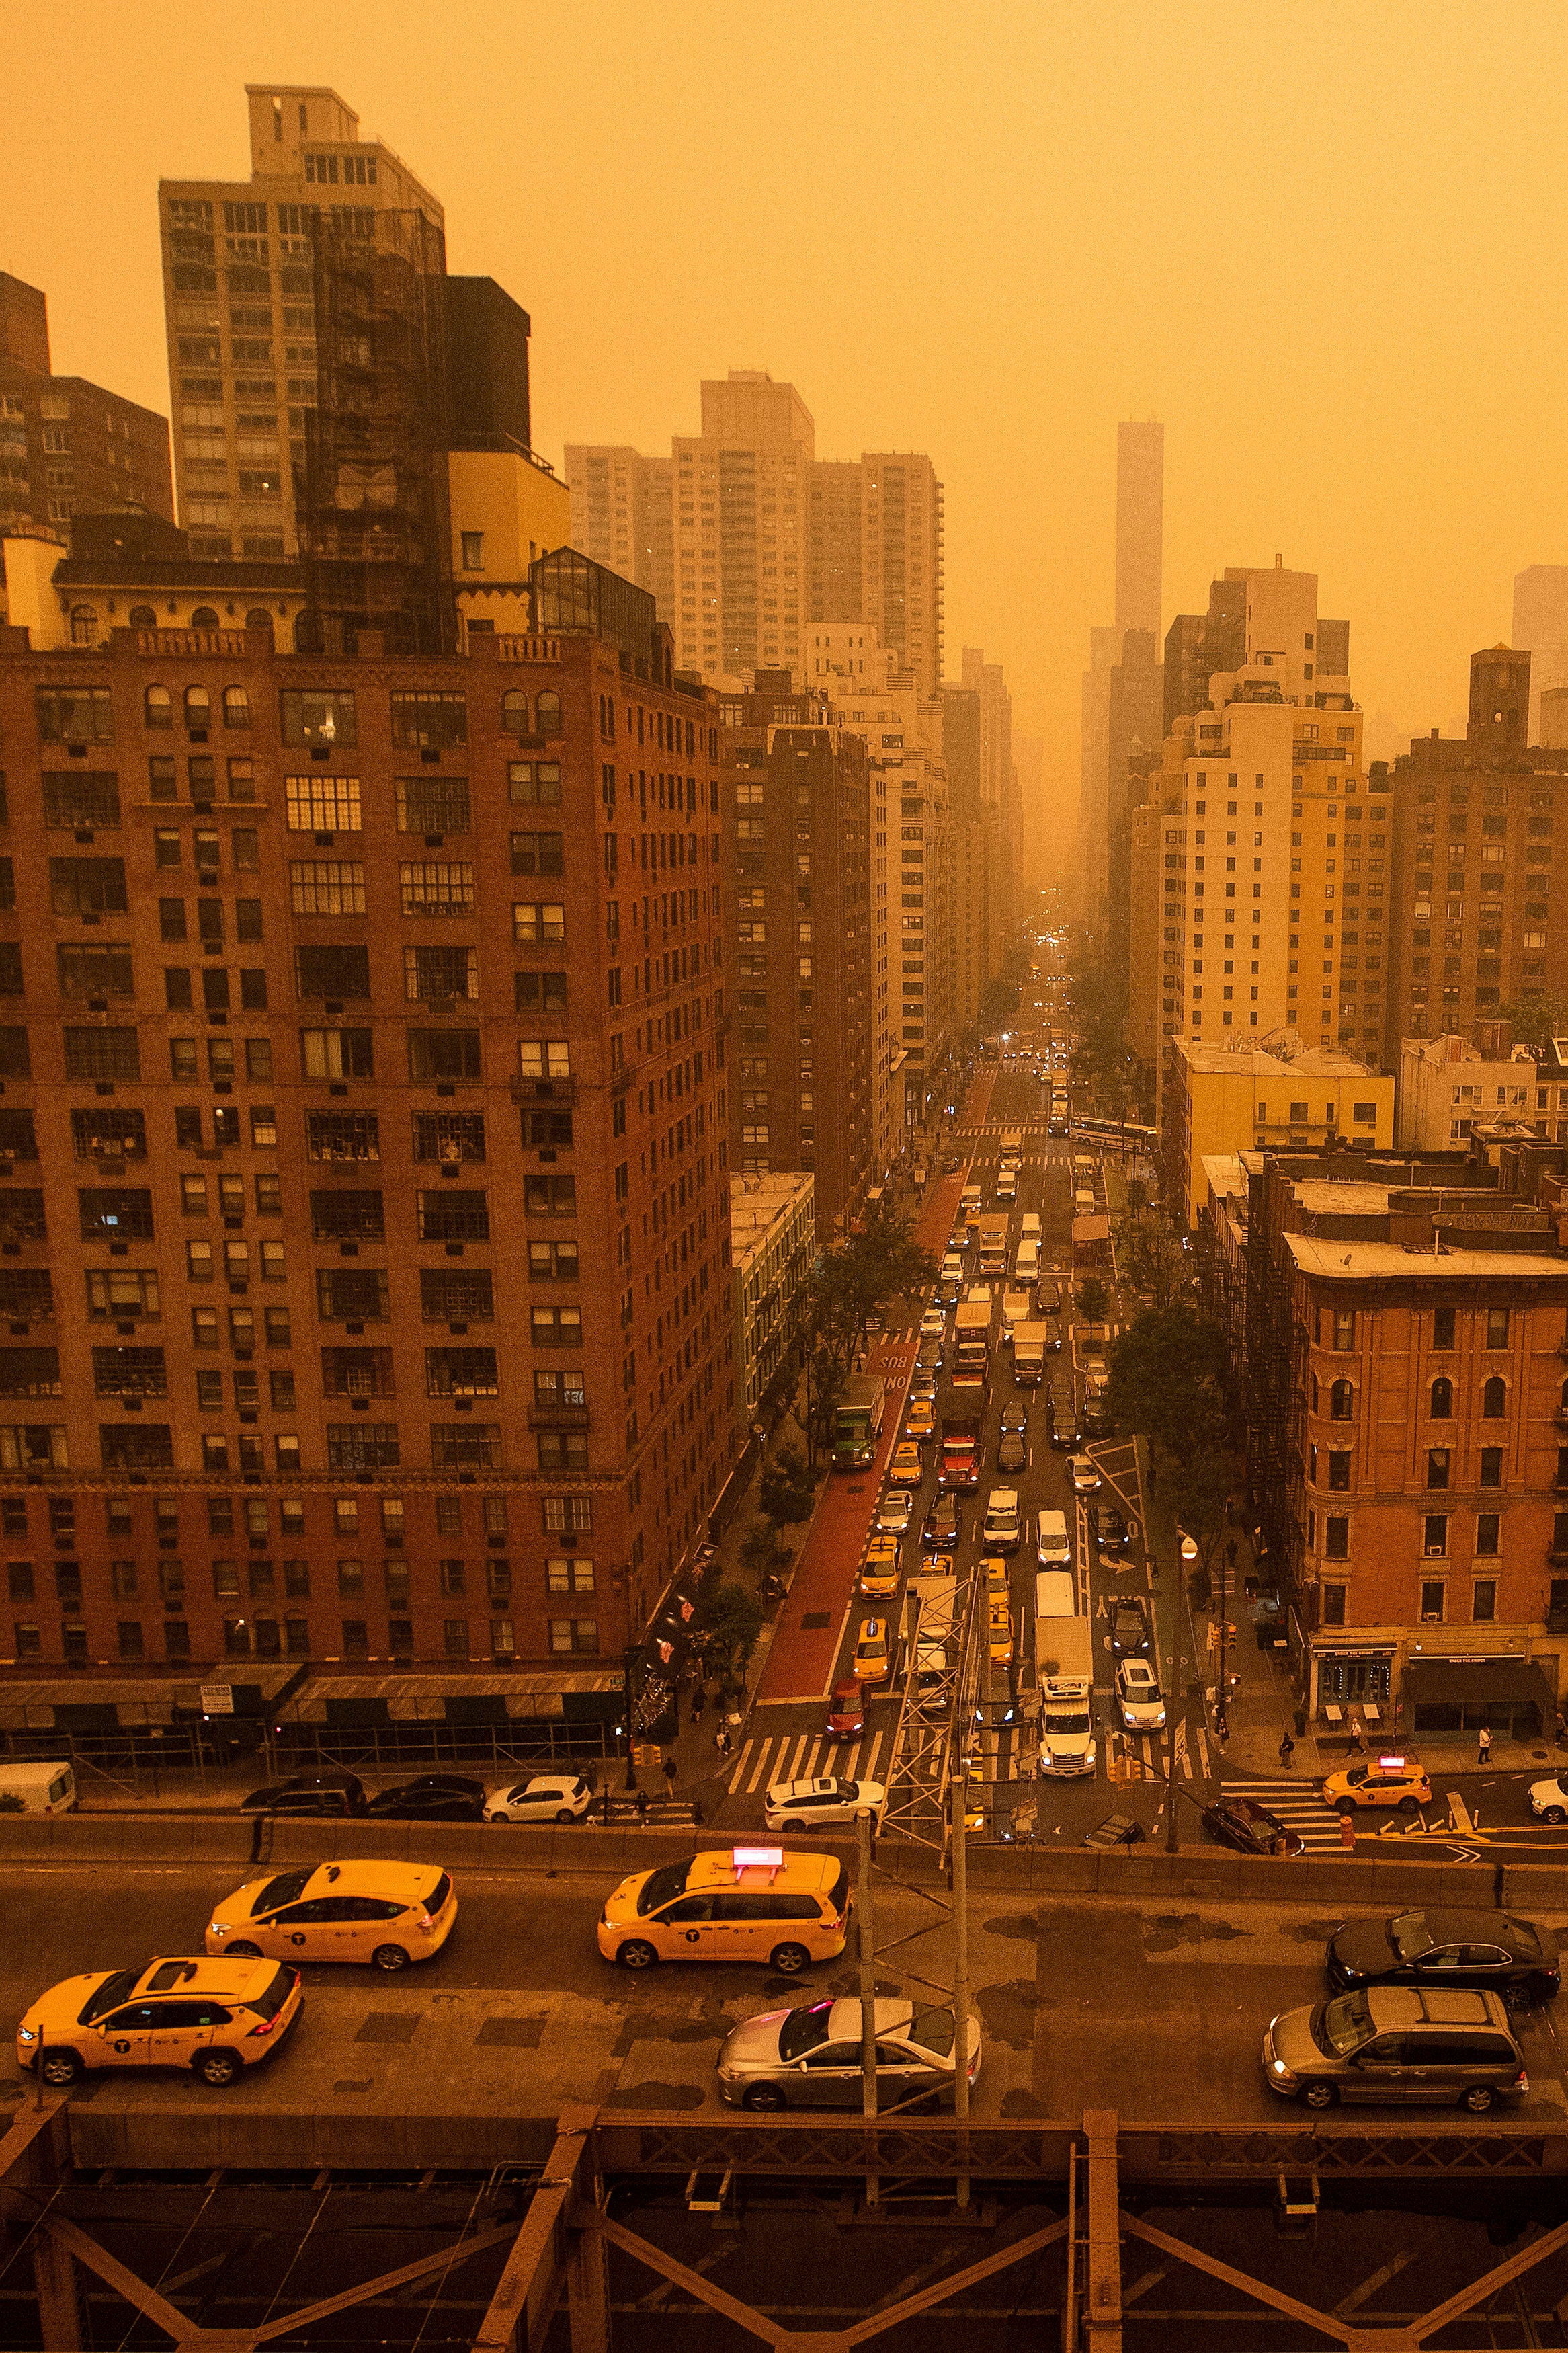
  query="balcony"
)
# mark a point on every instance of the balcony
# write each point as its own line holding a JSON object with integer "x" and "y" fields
{"x": 547, "y": 1090}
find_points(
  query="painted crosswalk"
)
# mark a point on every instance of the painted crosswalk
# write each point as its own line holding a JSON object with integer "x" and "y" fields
{"x": 1145, "y": 1756}
{"x": 1298, "y": 1806}
{"x": 800, "y": 1756}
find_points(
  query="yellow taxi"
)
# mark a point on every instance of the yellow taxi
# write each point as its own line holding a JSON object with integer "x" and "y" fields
{"x": 1386, "y": 1780}
{"x": 873, "y": 1660}
{"x": 388, "y": 1913}
{"x": 215, "y": 2018}
{"x": 1000, "y": 1630}
{"x": 879, "y": 1569}
{"x": 919, "y": 1422}
{"x": 904, "y": 1471}
{"x": 995, "y": 1571}
{"x": 737, "y": 1904}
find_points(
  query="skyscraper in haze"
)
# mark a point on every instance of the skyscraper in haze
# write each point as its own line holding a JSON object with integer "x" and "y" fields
{"x": 68, "y": 446}
{"x": 1541, "y": 630}
{"x": 745, "y": 536}
{"x": 1139, "y": 525}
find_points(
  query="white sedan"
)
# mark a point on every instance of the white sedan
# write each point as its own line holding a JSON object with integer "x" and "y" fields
{"x": 1550, "y": 1801}
{"x": 933, "y": 1323}
{"x": 896, "y": 1510}
{"x": 1084, "y": 1473}
{"x": 547, "y": 1798}
{"x": 1138, "y": 1696}
{"x": 822, "y": 1804}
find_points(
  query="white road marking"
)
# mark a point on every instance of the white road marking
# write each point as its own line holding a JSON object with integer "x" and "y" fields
{"x": 741, "y": 1766}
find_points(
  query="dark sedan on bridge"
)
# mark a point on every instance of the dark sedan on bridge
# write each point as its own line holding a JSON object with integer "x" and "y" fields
{"x": 1496, "y": 1951}
{"x": 1249, "y": 1828}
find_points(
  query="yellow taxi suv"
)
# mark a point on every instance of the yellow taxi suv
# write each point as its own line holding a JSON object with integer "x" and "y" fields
{"x": 904, "y": 1470}
{"x": 1380, "y": 1782}
{"x": 386, "y": 1914}
{"x": 735, "y": 1904}
{"x": 879, "y": 1569}
{"x": 995, "y": 1571}
{"x": 919, "y": 1421}
{"x": 215, "y": 2018}
{"x": 873, "y": 1659}
{"x": 999, "y": 1633}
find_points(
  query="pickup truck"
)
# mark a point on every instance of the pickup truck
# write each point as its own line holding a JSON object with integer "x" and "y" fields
{"x": 961, "y": 1451}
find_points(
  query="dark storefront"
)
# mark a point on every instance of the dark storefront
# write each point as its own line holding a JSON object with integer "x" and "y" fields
{"x": 1507, "y": 1694}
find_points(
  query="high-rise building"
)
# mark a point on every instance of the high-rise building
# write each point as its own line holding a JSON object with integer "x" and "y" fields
{"x": 976, "y": 852}
{"x": 1134, "y": 725}
{"x": 368, "y": 1272}
{"x": 1139, "y": 525}
{"x": 1249, "y": 855}
{"x": 745, "y": 536}
{"x": 998, "y": 786}
{"x": 798, "y": 801}
{"x": 1040, "y": 853}
{"x": 66, "y": 445}
{"x": 1480, "y": 864}
{"x": 1541, "y": 630}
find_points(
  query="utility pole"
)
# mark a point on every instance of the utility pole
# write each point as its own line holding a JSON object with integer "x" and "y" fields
{"x": 867, "y": 1931}
{"x": 961, "y": 1977}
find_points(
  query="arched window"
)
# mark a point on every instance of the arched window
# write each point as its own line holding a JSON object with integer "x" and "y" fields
{"x": 143, "y": 616}
{"x": 1494, "y": 1397}
{"x": 203, "y": 617}
{"x": 514, "y": 711}
{"x": 547, "y": 712}
{"x": 236, "y": 707}
{"x": 84, "y": 626}
{"x": 258, "y": 619}
{"x": 198, "y": 710}
{"x": 159, "y": 707}
{"x": 1441, "y": 1399}
{"x": 1341, "y": 1402}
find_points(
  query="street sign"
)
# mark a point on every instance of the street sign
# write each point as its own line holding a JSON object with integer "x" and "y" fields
{"x": 218, "y": 1699}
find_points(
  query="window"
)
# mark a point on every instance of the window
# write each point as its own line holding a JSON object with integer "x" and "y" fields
{"x": 75, "y": 714}
{"x": 448, "y": 1295}
{"x": 322, "y": 804}
{"x": 351, "y": 1295}
{"x": 573, "y": 1575}
{"x": 557, "y": 1327}
{"x": 81, "y": 797}
{"x": 545, "y": 1057}
{"x": 426, "y": 721}
{"x": 336, "y": 1054}
{"x": 33, "y": 1446}
{"x": 1442, "y": 1399}
{"x": 236, "y": 707}
{"x": 1435, "y": 1541}
{"x": 474, "y": 556}
{"x": 580, "y": 1635}
{"x": 541, "y": 992}
{"x": 1487, "y": 1529}
{"x": 547, "y": 712}
{"x": 536, "y": 925}
{"x": 123, "y": 1293}
{"x": 534, "y": 783}
{"x": 432, "y": 804}
{"x": 553, "y": 1261}
{"x": 436, "y": 886}
{"x": 115, "y": 1213}
{"x": 1336, "y": 1537}
{"x": 104, "y": 1133}
{"x": 129, "y": 1371}
{"x": 1333, "y": 1612}
{"x": 347, "y": 1215}
{"x": 1443, "y": 1327}
{"x": 436, "y": 975}
{"x": 514, "y": 711}
{"x": 465, "y": 1445}
{"x": 550, "y": 1196}
{"x": 136, "y": 1446}
{"x": 1344, "y": 1328}
{"x": 1497, "y": 1327}
{"x": 1437, "y": 1466}
{"x": 157, "y": 707}
{"x": 461, "y": 1372}
{"x": 1494, "y": 1398}
{"x": 537, "y": 854}
{"x": 444, "y": 1054}
{"x": 79, "y": 886}
{"x": 362, "y": 1446}
{"x": 1339, "y": 1469}
{"x": 453, "y": 1215}
{"x": 357, "y": 1372}
{"x": 1483, "y": 1599}
{"x": 325, "y": 715}
{"x": 332, "y": 970}
{"x": 326, "y": 886}
{"x": 1491, "y": 1466}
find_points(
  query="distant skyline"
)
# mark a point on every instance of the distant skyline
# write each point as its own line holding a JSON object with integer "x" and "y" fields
{"x": 985, "y": 235}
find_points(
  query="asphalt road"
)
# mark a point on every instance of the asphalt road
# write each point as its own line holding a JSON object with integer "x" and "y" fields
{"x": 1156, "y": 2010}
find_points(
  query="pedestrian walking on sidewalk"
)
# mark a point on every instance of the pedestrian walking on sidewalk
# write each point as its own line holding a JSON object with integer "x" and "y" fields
{"x": 1287, "y": 1750}
{"x": 1484, "y": 1745}
{"x": 669, "y": 1775}
{"x": 642, "y": 1808}
{"x": 1230, "y": 1555}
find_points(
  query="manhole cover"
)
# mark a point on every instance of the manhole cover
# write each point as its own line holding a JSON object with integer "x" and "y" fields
{"x": 517, "y": 2033}
{"x": 388, "y": 2026}
{"x": 815, "y": 1618}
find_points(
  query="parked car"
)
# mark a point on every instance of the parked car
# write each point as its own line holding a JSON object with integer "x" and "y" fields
{"x": 1129, "y": 1629}
{"x": 1549, "y": 1799}
{"x": 1393, "y": 2045}
{"x": 544, "y": 1797}
{"x": 330, "y": 1790}
{"x": 810, "y": 2058}
{"x": 1495, "y": 1952}
{"x": 432, "y": 1797}
{"x": 1248, "y": 1827}
{"x": 1116, "y": 1830}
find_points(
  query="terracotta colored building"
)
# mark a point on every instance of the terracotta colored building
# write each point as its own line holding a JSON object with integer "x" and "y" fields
{"x": 364, "y": 1243}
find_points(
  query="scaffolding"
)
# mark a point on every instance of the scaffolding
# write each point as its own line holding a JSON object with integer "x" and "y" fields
{"x": 373, "y": 517}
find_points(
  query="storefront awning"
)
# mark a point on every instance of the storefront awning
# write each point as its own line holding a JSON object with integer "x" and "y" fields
{"x": 1437, "y": 1683}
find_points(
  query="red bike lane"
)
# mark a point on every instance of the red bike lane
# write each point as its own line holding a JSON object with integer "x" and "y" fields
{"x": 800, "y": 1661}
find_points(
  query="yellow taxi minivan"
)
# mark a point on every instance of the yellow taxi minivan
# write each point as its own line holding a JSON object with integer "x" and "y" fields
{"x": 216, "y": 2017}
{"x": 388, "y": 1913}
{"x": 735, "y": 1903}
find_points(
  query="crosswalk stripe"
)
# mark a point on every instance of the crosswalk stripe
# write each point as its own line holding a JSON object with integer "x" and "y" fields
{"x": 868, "y": 1770}
{"x": 792, "y": 1772}
{"x": 847, "y": 1764}
{"x": 741, "y": 1766}
{"x": 757, "y": 1768}
{"x": 808, "y": 1771}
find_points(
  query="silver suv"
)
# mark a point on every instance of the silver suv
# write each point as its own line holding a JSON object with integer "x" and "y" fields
{"x": 1397, "y": 2045}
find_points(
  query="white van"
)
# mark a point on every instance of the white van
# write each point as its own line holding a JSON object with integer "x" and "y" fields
{"x": 1083, "y": 1204}
{"x": 38, "y": 1787}
{"x": 1029, "y": 1227}
{"x": 1056, "y": 1592}
{"x": 1053, "y": 1545}
{"x": 1027, "y": 1265}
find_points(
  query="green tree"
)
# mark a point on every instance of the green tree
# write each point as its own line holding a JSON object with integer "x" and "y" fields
{"x": 1153, "y": 1260}
{"x": 760, "y": 1548}
{"x": 732, "y": 1627}
{"x": 785, "y": 1490}
{"x": 1169, "y": 1379}
{"x": 1196, "y": 1490}
{"x": 853, "y": 1283}
{"x": 1093, "y": 1300}
{"x": 999, "y": 1003}
{"x": 1536, "y": 1020}
{"x": 1137, "y": 1198}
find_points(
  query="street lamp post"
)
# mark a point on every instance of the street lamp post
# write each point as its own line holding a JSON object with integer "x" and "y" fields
{"x": 1189, "y": 1558}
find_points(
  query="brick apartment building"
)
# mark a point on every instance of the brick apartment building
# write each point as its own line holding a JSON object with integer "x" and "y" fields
{"x": 797, "y": 813}
{"x": 1408, "y": 1418}
{"x": 325, "y": 977}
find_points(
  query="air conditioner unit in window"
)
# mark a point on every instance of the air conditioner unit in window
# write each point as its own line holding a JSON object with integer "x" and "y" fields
{"x": 1432, "y": 1617}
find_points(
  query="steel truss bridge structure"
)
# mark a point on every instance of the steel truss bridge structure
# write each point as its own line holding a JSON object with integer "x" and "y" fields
{"x": 248, "y": 2255}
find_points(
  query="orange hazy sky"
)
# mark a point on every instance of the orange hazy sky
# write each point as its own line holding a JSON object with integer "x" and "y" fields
{"x": 1322, "y": 242}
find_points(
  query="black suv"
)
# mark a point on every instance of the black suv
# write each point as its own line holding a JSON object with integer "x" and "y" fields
{"x": 1129, "y": 1630}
